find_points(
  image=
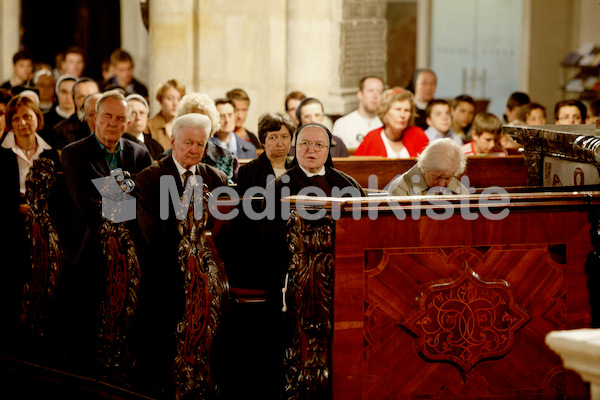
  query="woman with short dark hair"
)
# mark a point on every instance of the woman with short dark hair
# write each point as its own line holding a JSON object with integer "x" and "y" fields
{"x": 275, "y": 132}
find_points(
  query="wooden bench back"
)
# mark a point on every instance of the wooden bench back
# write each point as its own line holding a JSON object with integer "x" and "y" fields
{"x": 482, "y": 171}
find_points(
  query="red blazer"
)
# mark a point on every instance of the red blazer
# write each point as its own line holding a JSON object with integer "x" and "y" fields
{"x": 414, "y": 139}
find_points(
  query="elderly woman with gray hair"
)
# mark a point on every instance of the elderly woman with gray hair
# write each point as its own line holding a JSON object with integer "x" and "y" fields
{"x": 215, "y": 156}
{"x": 434, "y": 173}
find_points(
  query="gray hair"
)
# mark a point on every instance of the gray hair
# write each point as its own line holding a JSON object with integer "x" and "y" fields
{"x": 442, "y": 154}
{"x": 81, "y": 114}
{"x": 193, "y": 120}
{"x": 113, "y": 94}
{"x": 200, "y": 103}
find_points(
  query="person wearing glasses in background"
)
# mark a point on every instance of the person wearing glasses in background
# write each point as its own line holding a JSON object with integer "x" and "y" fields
{"x": 569, "y": 112}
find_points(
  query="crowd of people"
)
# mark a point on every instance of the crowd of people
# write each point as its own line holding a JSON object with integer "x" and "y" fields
{"x": 89, "y": 129}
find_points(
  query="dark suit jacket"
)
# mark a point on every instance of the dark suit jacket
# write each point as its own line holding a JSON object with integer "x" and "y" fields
{"x": 162, "y": 232}
{"x": 68, "y": 131}
{"x": 162, "y": 286}
{"x": 155, "y": 149}
{"x": 83, "y": 161}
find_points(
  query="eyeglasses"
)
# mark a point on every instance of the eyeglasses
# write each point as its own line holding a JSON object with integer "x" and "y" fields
{"x": 575, "y": 118}
{"x": 317, "y": 146}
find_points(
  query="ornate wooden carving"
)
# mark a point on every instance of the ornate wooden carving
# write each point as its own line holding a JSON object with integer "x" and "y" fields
{"x": 206, "y": 290}
{"x": 118, "y": 308}
{"x": 46, "y": 251}
{"x": 466, "y": 321}
{"x": 310, "y": 284}
{"x": 578, "y": 143}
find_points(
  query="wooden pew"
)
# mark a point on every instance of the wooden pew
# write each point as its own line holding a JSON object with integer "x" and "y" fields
{"x": 510, "y": 171}
{"x": 482, "y": 171}
{"x": 429, "y": 308}
{"x": 46, "y": 257}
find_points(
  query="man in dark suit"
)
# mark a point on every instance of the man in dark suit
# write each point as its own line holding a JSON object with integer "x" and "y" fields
{"x": 162, "y": 292}
{"x": 84, "y": 160}
{"x": 139, "y": 119}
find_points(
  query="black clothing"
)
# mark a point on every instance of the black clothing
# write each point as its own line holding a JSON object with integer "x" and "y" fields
{"x": 67, "y": 131}
{"x": 155, "y": 149}
{"x": 51, "y": 118}
{"x": 421, "y": 119}
{"x": 255, "y": 172}
{"x": 162, "y": 299}
{"x": 134, "y": 87}
{"x": 274, "y": 232}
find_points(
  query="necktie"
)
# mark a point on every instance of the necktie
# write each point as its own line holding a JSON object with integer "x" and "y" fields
{"x": 186, "y": 176}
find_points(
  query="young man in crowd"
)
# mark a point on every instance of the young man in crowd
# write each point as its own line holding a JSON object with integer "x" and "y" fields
{"x": 241, "y": 101}
{"x": 353, "y": 127}
{"x": 440, "y": 122}
{"x": 513, "y": 104}
{"x": 121, "y": 64}
{"x": 22, "y": 70}
{"x": 462, "y": 111}
{"x": 423, "y": 86}
{"x": 486, "y": 132}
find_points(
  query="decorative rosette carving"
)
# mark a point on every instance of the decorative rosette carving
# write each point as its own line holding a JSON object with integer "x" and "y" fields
{"x": 466, "y": 321}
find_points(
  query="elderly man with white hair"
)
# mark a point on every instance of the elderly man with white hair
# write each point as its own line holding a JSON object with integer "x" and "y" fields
{"x": 435, "y": 172}
{"x": 162, "y": 298}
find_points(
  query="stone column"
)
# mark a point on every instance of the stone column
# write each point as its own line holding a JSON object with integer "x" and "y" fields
{"x": 10, "y": 11}
{"x": 332, "y": 45}
{"x": 173, "y": 24}
{"x": 134, "y": 38}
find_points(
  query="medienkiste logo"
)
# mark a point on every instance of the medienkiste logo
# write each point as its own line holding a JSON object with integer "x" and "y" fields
{"x": 119, "y": 206}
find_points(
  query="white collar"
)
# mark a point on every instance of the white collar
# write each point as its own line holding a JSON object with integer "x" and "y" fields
{"x": 311, "y": 174}
{"x": 182, "y": 170}
{"x": 63, "y": 113}
{"x": 140, "y": 136}
{"x": 10, "y": 143}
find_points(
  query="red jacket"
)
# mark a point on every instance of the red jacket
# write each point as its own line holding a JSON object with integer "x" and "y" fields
{"x": 414, "y": 139}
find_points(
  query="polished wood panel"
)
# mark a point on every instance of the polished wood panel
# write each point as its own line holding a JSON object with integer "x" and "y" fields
{"x": 482, "y": 171}
{"x": 453, "y": 308}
